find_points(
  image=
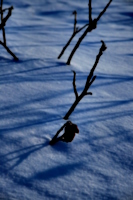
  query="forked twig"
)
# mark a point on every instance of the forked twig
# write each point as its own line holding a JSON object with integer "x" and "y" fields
{"x": 89, "y": 81}
{"x": 90, "y": 26}
{"x": 2, "y": 25}
{"x": 75, "y": 31}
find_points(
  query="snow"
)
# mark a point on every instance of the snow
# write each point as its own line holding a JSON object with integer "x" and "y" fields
{"x": 36, "y": 92}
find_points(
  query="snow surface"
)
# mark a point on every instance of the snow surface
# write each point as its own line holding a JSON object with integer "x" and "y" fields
{"x": 36, "y": 92}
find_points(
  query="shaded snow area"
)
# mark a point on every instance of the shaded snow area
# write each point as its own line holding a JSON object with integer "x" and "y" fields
{"x": 37, "y": 91}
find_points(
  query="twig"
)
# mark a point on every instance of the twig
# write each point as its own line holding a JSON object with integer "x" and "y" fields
{"x": 3, "y": 20}
{"x": 89, "y": 81}
{"x": 75, "y": 31}
{"x": 90, "y": 9}
{"x": 57, "y": 133}
{"x": 3, "y": 10}
{"x": 104, "y": 10}
{"x": 74, "y": 85}
{"x": 9, "y": 51}
{"x": 2, "y": 27}
{"x": 75, "y": 20}
{"x": 91, "y": 26}
{"x": 3, "y": 23}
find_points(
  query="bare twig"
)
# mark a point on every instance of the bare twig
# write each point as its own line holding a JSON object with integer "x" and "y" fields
{"x": 75, "y": 31}
{"x": 75, "y": 20}
{"x": 74, "y": 85}
{"x": 67, "y": 44}
{"x": 104, "y": 10}
{"x": 91, "y": 26}
{"x": 3, "y": 23}
{"x": 59, "y": 130}
{"x": 57, "y": 133}
{"x": 3, "y": 20}
{"x": 82, "y": 28}
{"x": 89, "y": 81}
{"x": 3, "y": 10}
{"x": 9, "y": 51}
{"x": 90, "y": 9}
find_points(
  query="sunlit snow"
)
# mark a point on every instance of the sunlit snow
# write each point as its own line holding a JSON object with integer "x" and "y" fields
{"x": 37, "y": 91}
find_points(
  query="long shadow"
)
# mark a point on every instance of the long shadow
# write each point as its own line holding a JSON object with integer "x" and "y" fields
{"x": 61, "y": 170}
{"x": 48, "y": 175}
{"x": 29, "y": 123}
{"x": 108, "y": 79}
{"x": 126, "y": 21}
{"x": 108, "y": 41}
{"x": 43, "y": 78}
{"x": 106, "y": 105}
{"x": 32, "y": 117}
{"x": 6, "y": 60}
{"x": 58, "y": 76}
{"x": 38, "y": 117}
{"x": 21, "y": 105}
{"x": 50, "y": 64}
{"x": 19, "y": 155}
{"x": 42, "y": 117}
{"x": 107, "y": 116}
{"x": 33, "y": 74}
{"x": 42, "y": 62}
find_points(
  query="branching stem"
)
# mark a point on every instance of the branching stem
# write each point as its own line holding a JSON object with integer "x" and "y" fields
{"x": 3, "y": 23}
{"x": 89, "y": 27}
{"x": 89, "y": 81}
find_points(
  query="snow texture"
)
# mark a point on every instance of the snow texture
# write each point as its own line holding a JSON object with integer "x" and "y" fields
{"x": 36, "y": 92}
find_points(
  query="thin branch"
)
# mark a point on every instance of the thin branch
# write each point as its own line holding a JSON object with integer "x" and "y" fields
{"x": 88, "y": 93}
{"x": 60, "y": 130}
{"x": 89, "y": 81}
{"x": 1, "y": 13}
{"x": 3, "y": 10}
{"x": 104, "y": 10}
{"x": 75, "y": 31}
{"x": 90, "y": 11}
{"x": 75, "y": 20}
{"x": 91, "y": 26}
{"x": 92, "y": 80}
{"x": 67, "y": 44}
{"x": 1, "y": 26}
{"x": 3, "y": 23}
{"x": 57, "y": 133}
{"x": 3, "y": 20}
{"x": 4, "y": 35}
{"x": 76, "y": 46}
{"x": 74, "y": 85}
{"x": 103, "y": 48}
{"x": 8, "y": 15}
{"x": 9, "y": 51}
{"x": 1, "y": 4}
